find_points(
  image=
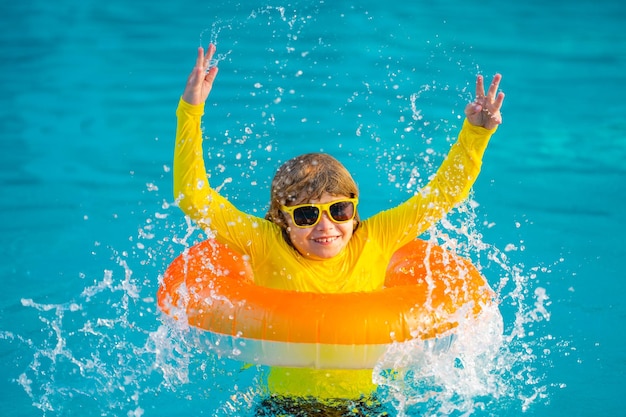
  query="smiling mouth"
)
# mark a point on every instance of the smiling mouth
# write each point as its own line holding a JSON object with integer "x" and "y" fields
{"x": 326, "y": 240}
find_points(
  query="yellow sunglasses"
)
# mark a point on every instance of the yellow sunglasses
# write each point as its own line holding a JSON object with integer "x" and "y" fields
{"x": 308, "y": 215}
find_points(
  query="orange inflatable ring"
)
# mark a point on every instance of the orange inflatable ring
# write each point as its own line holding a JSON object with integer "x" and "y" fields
{"x": 428, "y": 290}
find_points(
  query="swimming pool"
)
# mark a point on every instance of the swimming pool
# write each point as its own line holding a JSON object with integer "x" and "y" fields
{"x": 88, "y": 223}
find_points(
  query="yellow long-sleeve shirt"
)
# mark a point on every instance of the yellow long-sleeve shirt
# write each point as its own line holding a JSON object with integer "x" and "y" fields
{"x": 360, "y": 267}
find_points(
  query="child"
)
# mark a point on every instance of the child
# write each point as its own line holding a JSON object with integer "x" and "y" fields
{"x": 312, "y": 238}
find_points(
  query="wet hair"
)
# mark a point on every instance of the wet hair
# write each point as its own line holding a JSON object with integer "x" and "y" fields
{"x": 307, "y": 177}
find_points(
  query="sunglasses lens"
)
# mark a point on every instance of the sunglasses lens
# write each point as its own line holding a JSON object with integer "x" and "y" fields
{"x": 306, "y": 216}
{"x": 342, "y": 211}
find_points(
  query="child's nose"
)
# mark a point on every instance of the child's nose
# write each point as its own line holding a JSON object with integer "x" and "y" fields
{"x": 325, "y": 221}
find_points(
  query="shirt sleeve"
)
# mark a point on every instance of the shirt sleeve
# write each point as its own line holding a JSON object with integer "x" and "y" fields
{"x": 197, "y": 199}
{"x": 450, "y": 186}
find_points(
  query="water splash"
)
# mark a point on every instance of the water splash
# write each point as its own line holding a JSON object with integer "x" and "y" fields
{"x": 107, "y": 351}
{"x": 497, "y": 363}
{"x": 419, "y": 381}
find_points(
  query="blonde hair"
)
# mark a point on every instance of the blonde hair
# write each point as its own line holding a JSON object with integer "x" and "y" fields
{"x": 307, "y": 177}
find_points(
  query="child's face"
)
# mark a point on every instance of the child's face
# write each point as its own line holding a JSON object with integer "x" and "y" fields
{"x": 324, "y": 240}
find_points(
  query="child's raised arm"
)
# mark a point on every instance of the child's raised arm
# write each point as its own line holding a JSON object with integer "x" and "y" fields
{"x": 454, "y": 178}
{"x": 192, "y": 191}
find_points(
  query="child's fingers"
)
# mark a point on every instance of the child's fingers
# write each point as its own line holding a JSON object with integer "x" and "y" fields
{"x": 210, "y": 75}
{"x": 472, "y": 109}
{"x": 209, "y": 55}
{"x": 493, "y": 88}
{"x": 499, "y": 100}
{"x": 480, "y": 86}
{"x": 200, "y": 57}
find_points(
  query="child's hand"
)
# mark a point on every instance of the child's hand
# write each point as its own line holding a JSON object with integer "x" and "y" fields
{"x": 200, "y": 80}
{"x": 485, "y": 109}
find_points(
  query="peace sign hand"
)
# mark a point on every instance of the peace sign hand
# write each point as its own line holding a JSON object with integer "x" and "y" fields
{"x": 485, "y": 109}
{"x": 201, "y": 79}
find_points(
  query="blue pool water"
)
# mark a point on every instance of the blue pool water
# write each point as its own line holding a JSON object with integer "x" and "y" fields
{"x": 87, "y": 113}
